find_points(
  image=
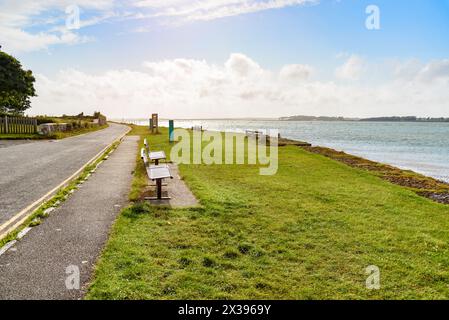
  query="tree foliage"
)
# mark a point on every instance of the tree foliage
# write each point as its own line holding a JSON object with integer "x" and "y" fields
{"x": 16, "y": 86}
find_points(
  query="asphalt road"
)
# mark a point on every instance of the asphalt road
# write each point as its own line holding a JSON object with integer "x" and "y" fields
{"x": 29, "y": 171}
{"x": 45, "y": 264}
{"x": 10, "y": 143}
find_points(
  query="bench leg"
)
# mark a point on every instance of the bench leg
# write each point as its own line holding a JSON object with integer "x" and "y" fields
{"x": 158, "y": 192}
{"x": 164, "y": 184}
{"x": 159, "y": 188}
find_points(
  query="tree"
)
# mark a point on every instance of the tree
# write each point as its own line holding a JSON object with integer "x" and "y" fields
{"x": 16, "y": 86}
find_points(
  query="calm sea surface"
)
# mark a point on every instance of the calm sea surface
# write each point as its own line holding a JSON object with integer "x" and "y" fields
{"x": 421, "y": 147}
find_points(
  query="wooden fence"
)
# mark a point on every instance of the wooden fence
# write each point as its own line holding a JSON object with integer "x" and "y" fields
{"x": 18, "y": 125}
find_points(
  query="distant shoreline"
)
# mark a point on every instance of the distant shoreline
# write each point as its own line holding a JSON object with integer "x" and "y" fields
{"x": 310, "y": 119}
{"x": 373, "y": 119}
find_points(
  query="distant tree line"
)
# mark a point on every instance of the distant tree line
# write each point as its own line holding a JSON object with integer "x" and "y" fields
{"x": 406, "y": 119}
{"x": 312, "y": 118}
{"x": 82, "y": 116}
{"x": 376, "y": 119}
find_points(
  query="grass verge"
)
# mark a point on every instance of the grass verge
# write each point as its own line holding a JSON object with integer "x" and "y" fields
{"x": 55, "y": 136}
{"x": 76, "y": 132}
{"x": 309, "y": 232}
{"x": 21, "y": 137}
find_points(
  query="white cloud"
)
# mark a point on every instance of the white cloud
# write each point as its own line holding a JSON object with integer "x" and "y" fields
{"x": 17, "y": 17}
{"x": 214, "y": 9}
{"x": 294, "y": 72}
{"x": 28, "y": 12}
{"x": 242, "y": 66}
{"x": 406, "y": 70}
{"x": 16, "y": 40}
{"x": 186, "y": 88}
{"x": 414, "y": 70}
{"x": 436, "y": 70}
{"x": 351, "y": 69}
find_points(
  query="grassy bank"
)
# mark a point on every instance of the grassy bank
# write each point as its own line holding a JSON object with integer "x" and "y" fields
{"x": 56, "y": 135}
{"x": 424, "y": 186}
{"x": 308, "y": 232}
{"x": 76, "y": 132}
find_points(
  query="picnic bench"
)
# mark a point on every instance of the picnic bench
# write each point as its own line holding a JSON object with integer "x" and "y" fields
{"x": 155, "y": 173}
{"x": 197, "y": 128}
{"x": 154, "y": 156}
{"x": 253, "y": 133}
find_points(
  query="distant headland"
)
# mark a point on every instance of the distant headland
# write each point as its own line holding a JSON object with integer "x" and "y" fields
{"x": 378, "y": 119}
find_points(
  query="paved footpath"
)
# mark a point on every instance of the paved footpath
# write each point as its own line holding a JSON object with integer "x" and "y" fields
{"x": 73, "y": 235}
{"x": 28, "y": 171}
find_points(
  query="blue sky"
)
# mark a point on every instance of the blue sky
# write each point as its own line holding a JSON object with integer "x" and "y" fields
{"x": 325, "y": 42}
{"x": 310, "y": 34}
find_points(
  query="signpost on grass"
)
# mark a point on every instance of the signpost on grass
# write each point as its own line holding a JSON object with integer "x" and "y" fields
{"x": 171, "y": 130}
{"x": 154, "y": 123}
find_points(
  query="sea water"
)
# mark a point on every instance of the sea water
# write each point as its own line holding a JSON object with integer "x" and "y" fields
{"x": 421, "y": 147}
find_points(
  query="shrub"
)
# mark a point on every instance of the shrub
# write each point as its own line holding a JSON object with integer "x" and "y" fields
{"x": 43, "y": 119}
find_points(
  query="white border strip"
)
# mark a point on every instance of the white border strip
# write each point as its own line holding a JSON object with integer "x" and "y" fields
{"x": 7, "y": 246}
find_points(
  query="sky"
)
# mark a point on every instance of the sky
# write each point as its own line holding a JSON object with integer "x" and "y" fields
{"x": 233, "y": 58}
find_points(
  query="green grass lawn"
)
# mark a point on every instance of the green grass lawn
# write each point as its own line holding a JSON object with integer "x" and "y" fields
{"x": 308, "y": 232}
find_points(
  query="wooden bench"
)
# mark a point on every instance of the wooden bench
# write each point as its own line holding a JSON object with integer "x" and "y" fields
{"x": 154, "y": 156}
{"x": 156, "y": 173}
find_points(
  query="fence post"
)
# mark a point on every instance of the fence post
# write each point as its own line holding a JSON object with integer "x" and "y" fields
{"x": 6, "y": 125}
{"x": 35, "y": 125}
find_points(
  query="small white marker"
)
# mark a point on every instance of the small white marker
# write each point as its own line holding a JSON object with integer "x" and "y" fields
{"x": 49, "y": 210}
{"x": 7, "y": 246}
{"x": 23, "y": 233}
